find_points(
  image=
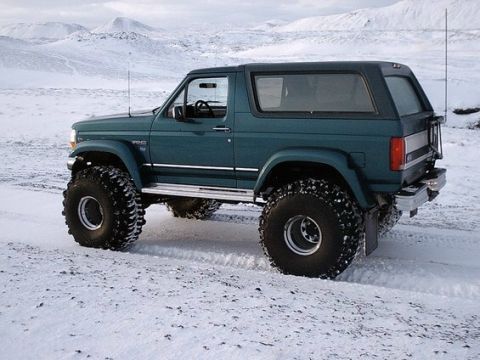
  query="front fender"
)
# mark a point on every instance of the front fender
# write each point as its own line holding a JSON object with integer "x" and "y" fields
{"x": 117, "y": 148}
{"x": 334, "y": 159}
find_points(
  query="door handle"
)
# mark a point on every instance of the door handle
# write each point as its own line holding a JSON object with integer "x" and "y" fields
{"x": 222, "y": 128}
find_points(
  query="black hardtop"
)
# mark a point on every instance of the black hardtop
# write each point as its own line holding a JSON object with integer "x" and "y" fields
{"x": 384, "y": 66}
{"x": 222, "y": 69}
{"x": 374, "y": 71}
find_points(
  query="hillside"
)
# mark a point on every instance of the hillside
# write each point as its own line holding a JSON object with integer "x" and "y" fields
{"x": 403, "y": 15}
{"x": 156, "y": 56}
{"x": 48, "y": 30}
{"x": 123, "y": 24}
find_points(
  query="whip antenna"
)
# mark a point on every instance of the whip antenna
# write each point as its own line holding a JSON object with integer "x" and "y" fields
{"x": 446, "y": 64}
{"x": 128, "y": 84}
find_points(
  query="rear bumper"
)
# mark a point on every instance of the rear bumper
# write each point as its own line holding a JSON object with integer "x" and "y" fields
{"x": 426, "y": 189}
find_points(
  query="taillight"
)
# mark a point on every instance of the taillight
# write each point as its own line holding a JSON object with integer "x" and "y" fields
{"x": 397, "y": 154}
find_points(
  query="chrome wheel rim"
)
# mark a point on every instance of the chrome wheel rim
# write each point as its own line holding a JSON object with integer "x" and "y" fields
{"x": 302, "y": 235}
{"x": 90, "y": 213}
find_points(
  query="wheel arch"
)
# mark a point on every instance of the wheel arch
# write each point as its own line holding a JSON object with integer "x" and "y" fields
{"x": 289, "y": 165}
{"x": 107, "y": 152}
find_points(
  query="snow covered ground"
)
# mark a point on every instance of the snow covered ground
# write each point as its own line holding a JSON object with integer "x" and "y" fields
{"x": 203, "y": 289}
{"x": 78, "y": 303}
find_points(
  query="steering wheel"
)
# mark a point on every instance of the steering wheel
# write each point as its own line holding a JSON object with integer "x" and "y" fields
{"x": 199, "y": 104}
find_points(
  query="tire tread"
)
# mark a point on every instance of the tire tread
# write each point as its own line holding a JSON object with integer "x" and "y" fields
{"x": 129, "y": 215}
{"x": 346, "y": 210}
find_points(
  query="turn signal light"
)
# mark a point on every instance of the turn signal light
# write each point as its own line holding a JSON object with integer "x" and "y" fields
{"x": 397, "y": 154}
{"x": 73, "y": 139}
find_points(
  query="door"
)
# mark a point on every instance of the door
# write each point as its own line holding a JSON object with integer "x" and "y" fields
{"x": 197, "y": 149}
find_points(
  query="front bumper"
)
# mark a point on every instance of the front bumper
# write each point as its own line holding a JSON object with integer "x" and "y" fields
{"x": 426, "y": 189}
{"x": 70, "y": 162}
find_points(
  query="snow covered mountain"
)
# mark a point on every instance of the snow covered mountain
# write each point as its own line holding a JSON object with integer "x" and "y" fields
{"x": 270, "y": 24}
{"x": 123, "y": 24}
{"x": 48, "y": 30}
{"x": 403, "y": 15}
{"x": 74, "y": 52}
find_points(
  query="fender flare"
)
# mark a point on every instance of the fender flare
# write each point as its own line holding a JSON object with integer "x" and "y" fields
{"x": 337, "y": 160}
{"x": 117, "y": 148}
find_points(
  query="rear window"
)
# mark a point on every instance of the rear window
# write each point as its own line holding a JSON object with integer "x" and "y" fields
{"x": 404, "y": 95}
{"x": 312, "y": 93}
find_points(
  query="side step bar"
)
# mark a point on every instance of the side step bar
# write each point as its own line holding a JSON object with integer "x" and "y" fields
{"x": 197, "y": 191}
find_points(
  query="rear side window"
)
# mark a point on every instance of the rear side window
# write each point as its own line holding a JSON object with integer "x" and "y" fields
{"x": 404, "y": 96}
{"x": 346, "y": 93}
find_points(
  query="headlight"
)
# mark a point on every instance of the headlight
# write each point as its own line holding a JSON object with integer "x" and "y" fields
{"x": 73, "y": 138}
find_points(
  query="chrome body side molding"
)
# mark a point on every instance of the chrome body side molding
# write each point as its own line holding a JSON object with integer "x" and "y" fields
{"x": 246, "y": 169}
{"x": 194, "y": 167}
{"x": 201, "y": 167}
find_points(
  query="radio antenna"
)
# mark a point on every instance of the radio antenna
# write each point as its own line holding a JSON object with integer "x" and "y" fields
{"x": 446, "y": 64}
{"x": 128, "y": 84}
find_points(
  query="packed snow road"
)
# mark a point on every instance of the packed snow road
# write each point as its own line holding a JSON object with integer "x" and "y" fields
{"x": 441, "y": 262}
{"x": 83, "y": 303}
{"x": 204, "y": 288}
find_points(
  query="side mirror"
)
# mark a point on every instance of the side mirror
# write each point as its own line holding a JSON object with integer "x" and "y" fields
{"x": 178, "y": 113}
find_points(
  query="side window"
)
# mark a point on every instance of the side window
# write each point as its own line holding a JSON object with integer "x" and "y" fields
{"x": 206, "y": 98}
{"x": 270, "y": 92}
{"x": 404, "y": 96}
{"x": 313, "y": 93}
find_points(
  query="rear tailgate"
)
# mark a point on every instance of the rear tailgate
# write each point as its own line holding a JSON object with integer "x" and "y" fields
{"x": 413, "y": 154}
{"x": 422, "y": 146}
{"x": 421, "y": 129}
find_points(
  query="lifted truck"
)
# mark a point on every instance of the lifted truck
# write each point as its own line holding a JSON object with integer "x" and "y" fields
{"x": 333, "y": 151}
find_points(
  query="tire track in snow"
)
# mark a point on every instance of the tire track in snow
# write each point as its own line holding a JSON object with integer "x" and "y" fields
{"x": 231, "y": 259}
{"x": 414, "y": 235}
{"x": 423, "y": 277}
{"x": 424, "y": 260}
{"x": 409, "y": 258}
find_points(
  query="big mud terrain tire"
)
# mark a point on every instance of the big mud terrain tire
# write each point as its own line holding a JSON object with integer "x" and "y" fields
{"x": 311, "y": 228}
{"x": 102, "y": 208}
{"x": 388, "y": 217}
{"x": 192, "y": 208}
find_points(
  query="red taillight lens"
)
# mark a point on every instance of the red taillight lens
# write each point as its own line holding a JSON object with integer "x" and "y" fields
{"x": 397, "y": 154}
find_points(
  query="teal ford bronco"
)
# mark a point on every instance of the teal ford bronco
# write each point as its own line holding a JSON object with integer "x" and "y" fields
{"x": 334, "y": 152}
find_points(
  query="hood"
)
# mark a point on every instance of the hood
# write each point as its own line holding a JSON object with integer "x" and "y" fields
{"x": 122, "y": 115}
{"x": 135, "y": 121}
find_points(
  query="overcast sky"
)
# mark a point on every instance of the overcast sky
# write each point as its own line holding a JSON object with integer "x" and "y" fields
{"x": 162, "y": 13}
